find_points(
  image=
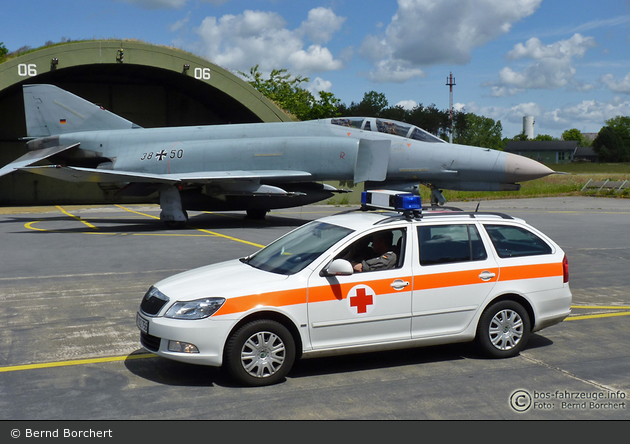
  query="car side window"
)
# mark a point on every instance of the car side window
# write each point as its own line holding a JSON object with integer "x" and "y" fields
{"x": 511, "y": 241}
{"x": 374, "y": 250}
{"x": 446, "y": 244}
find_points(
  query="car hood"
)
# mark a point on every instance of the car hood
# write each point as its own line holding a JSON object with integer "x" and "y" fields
{"x": 226, "y": 279}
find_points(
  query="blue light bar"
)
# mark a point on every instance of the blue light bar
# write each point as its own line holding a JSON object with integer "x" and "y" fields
{"x": 391, "y": 200}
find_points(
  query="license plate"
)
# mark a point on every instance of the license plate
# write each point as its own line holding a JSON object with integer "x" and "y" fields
{"x": 142, "y": 324}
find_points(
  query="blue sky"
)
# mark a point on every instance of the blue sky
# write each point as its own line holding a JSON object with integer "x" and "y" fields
{"x": 565, "y": 62}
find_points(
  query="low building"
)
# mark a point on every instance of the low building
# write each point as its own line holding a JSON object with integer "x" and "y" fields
{"x": 548, "y": 152}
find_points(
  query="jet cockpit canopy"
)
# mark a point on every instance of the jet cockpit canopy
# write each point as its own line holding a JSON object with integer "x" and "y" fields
{"x": 387, "y": 126}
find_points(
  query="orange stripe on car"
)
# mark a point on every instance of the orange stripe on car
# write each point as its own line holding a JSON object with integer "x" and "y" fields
{"x": 299, "y": 296}
{"x": 383, "y": 286}
{"x": 530, "y": 271}
{"x": 272, "y": 299}
{"x": 452, "y": 279}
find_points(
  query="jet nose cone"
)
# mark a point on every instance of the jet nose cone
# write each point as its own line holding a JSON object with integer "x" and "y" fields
{"x": 519, "y": 169}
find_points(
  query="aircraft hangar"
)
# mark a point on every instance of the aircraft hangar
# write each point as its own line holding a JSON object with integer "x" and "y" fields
{"x": 150, "y": 85}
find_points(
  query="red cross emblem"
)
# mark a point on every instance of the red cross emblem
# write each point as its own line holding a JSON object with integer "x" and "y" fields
{"x": 361, "y": 298}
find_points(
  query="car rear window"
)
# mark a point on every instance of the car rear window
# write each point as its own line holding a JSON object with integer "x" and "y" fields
{"x": 446, "y": 244}
{"x": 512, "y": 241}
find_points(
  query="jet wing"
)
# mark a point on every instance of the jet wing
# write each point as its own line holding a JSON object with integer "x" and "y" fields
{"x": 34, "y": 156}
{"x": 224, "y": 176}
{"x": 78, "y": 174}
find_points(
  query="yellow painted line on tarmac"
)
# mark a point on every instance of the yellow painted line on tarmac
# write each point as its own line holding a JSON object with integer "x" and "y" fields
{"x": 199, "y": 229}
{"x": 137, "y": 212}
{"x": 76, "y": 217}
{"x": 31, "y": 227}
{"x": 596, "y": 316}
{"x": 621, "y": 310}
{"x": 206, "y": 233}
{"x": 171, "y": 234}
{"x": 230, "y": 238}
{"x": 16, "y": 368}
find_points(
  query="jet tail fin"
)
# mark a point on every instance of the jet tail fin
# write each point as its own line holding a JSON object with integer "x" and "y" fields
{"x": 51, "y": 111}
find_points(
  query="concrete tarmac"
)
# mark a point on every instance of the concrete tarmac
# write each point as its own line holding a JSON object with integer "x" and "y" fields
{"x": 71, "y": 280}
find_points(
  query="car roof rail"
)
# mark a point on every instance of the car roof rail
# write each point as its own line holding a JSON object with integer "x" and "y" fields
{"x": 471, "y": 214}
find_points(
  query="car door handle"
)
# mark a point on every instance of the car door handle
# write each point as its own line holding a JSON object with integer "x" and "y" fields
{"x": 399, "y": 284}
{"x": 486, "y": 275}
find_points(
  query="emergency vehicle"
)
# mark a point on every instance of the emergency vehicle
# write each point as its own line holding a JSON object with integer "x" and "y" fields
{"x": 456, "y": 277}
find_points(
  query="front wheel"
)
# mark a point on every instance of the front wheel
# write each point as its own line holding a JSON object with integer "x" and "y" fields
{"x": 503, "y": 329}
{"x": 260, "y": 353}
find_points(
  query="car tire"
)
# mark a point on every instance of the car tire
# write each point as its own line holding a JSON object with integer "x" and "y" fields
{"x": 257, "y": 214}
{"x": 260, "y": 353}
{"x": 503, "y": 329}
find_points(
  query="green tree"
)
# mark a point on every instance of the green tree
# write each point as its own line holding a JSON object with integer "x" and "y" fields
{"x": 481, "y": 131}
{"x": 286, "y": 91}
{"x": 609, "y": 146}
{"x": 544, "y": 138}
{"x": 372, "y": 105}
{"x": 3, "y": 50}
{"x": 521, "y": 137}
{"x": 574, "y": 134}
{"x": 621, "y": 126}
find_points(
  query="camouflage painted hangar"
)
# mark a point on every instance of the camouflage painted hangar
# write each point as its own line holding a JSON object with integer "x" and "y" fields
{"x": 150, "y": 85}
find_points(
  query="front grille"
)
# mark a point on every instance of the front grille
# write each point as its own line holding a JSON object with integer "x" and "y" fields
{"x": 149, "y": 342}
{"x": 153, "y": 301}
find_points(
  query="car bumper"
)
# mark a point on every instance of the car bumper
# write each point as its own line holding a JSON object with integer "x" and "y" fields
{"x": 207, "y": 335}
{"x": 552, "y": 307}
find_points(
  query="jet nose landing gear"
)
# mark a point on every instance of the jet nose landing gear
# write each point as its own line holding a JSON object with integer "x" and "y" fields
{"x": 173, "y": 215}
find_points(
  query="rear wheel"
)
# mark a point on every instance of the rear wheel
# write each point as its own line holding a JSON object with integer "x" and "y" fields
{"x": 257, "y": 214}
{"x": 503, "y": 329}
{"x": 260, "y": 353}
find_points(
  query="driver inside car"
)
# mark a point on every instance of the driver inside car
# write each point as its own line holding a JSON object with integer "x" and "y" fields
{"x": 379, "y": 257}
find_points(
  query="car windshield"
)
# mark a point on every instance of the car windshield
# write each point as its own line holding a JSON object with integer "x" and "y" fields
{"x": 298, "y": 249}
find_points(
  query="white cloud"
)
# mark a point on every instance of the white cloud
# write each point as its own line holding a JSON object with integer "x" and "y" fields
{"x": 429, "y": 32}
{"x": 588, "y": 115}
{"x": 407, "y": 104}
{"x": 394, "y": 70}
{"x": 180, "y": 24}
{"x": 315, "y": 58}
{"x": 239, "y": 42}
{"x": 621, "y": 86}
{"x": 321, "y": 25}
{"x": 550, "y": 67}
{"x": 576, "y": 46}
{"x": 593, "y": 112}
{"x": 318, "y": 85}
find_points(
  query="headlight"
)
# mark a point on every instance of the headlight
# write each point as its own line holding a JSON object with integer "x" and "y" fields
{"x": 199, "y": 309}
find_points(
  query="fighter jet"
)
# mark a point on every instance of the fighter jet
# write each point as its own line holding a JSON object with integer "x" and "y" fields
{"x": 254, "y": 167}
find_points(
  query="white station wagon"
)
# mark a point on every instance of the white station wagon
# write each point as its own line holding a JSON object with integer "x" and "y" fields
{"x": 362, "y": 281}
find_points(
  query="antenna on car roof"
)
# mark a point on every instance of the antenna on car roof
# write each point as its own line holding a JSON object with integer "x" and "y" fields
{"x": 477, "y": 209}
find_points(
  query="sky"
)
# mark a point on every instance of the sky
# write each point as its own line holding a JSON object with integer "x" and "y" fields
{"x": 564, "y": 62}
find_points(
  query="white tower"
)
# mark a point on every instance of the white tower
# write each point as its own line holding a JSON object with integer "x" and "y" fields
{"x": 528, "y": 126}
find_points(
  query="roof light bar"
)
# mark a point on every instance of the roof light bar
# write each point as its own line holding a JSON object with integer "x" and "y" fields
{"x": 391, "y": 200}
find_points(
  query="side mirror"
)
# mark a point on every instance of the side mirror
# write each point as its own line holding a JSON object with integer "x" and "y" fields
{"x": 338, "y": 267}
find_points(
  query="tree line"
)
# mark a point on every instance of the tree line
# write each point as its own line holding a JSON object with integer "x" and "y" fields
{"x": 612, "y": 144}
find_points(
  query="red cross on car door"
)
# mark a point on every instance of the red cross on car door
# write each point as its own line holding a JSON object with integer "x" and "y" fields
{"x": 365, "y": 307}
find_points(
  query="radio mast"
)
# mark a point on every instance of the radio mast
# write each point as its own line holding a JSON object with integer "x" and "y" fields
{"x": 450, "y": 82}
